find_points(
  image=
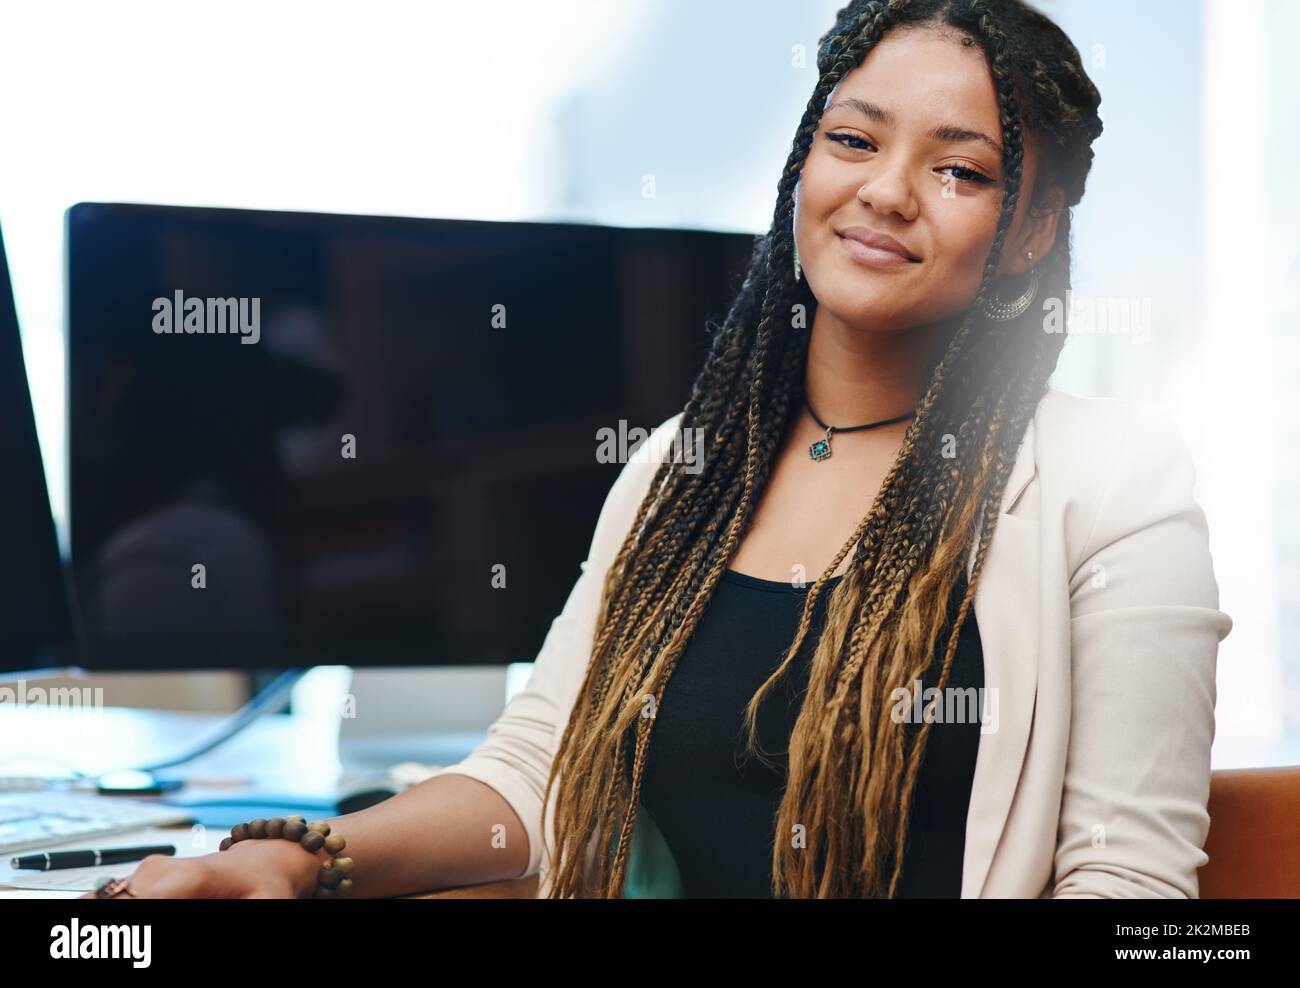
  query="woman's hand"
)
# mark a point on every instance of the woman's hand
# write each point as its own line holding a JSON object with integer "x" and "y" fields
{"x": 252, "y": 869}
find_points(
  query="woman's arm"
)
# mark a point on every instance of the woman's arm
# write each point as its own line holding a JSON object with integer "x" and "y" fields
{"x": 426, "y": 838}
{"x": 1145, "y": 631}
{"x": 444, "y": 832}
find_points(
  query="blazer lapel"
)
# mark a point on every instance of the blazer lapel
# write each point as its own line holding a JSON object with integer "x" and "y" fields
{"x": 1006, "y": 611}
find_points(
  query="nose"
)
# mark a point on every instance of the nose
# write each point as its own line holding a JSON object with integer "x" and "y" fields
{"x": 888, "y": 190}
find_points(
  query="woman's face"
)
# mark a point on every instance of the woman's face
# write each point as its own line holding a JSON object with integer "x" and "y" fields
{"x": 908, "y": 148}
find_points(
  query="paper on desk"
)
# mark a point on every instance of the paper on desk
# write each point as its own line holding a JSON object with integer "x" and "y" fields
{"x": 83, "y": 879}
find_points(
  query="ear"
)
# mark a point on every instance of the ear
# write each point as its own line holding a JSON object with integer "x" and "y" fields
{"x": 1037, "y": 232}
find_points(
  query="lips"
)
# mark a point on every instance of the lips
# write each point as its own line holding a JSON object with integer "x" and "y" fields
{"x": 877, "y": 242}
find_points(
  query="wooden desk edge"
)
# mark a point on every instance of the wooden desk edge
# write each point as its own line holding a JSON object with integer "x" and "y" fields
{"x": 514, "y": 888}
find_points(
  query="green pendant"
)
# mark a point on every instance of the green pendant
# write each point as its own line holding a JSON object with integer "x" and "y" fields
{"x": 821, "y": 449}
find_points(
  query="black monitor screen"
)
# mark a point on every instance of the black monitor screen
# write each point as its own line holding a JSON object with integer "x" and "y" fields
{"x": 35, "y": 617}
{"x": 301, "y": 438}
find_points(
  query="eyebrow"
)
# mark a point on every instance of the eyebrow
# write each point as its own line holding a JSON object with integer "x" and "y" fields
{"x": 947, "y": 133}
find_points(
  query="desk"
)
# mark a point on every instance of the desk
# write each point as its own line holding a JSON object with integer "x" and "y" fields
{"x": 515, "y": 888}
{"x": 279, "y": 753}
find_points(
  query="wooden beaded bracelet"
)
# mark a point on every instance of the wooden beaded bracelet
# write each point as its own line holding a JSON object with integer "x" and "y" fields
{"x": 332, "y": 880}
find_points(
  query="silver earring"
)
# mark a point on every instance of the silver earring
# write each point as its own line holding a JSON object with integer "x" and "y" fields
{"x": 798, "y": 271}
{"x": 1000, "y": 311}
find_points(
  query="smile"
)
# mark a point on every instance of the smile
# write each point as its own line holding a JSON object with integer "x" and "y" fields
{"x": 873, "y": 257}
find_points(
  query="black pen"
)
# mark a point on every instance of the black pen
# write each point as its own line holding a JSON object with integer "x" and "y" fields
{"x": 49, "y": 860}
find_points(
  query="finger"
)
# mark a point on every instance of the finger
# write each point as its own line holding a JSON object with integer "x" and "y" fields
{"x": 94, "y": 893}
{"x": 172, "y": 885}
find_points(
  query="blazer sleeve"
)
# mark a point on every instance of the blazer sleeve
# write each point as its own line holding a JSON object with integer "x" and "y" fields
{"x": 1145, "y": 630}
{"x": 515, "y": 757}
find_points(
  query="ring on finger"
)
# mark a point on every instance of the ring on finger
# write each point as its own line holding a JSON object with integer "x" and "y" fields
{"x": 108, "y": 888}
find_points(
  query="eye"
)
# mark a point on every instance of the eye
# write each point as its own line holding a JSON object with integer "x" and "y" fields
{"x": 850, "y": 141}
{"x": 966, "y": 173}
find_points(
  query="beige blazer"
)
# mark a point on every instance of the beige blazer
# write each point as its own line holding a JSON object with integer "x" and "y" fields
{"x": 1098, "y": 613}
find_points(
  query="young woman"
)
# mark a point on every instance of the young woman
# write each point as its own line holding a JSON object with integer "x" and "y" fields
{"x": 875, "y": 410}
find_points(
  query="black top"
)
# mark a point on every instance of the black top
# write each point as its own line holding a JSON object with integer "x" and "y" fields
{"x": 716, "y": 806}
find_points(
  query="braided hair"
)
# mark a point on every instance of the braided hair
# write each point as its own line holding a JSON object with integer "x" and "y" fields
{"x": 851, "y": 771}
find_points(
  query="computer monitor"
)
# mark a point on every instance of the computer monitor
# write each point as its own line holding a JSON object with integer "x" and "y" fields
{"x": 35, "y": 612}
{"x": 300, "y": 439}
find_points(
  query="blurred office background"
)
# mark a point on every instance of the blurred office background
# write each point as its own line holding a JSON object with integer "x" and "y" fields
{"x": 572, "y": 109}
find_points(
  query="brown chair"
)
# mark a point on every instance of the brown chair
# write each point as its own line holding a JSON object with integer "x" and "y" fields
{"x": 1254, "y": 840}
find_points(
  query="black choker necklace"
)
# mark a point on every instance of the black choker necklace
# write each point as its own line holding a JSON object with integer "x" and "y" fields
{"x": 821, "y": 449}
